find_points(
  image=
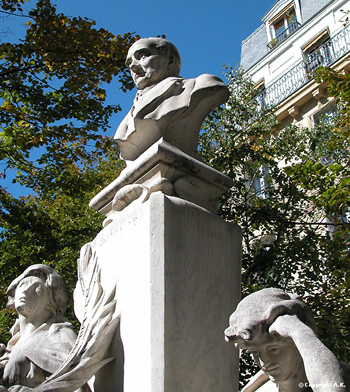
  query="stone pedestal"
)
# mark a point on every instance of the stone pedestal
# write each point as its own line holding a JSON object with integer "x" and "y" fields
{"x": 176, "y": 267}
{"x": 166, "y": 168}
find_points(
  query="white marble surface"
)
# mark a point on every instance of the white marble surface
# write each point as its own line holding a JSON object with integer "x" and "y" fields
{"x": 190, "y": 178}
{"x": 166, "y": 105}
{"x": 279, "y": 330}
{"x": 42, "y": 337}
{"x": 176, "y": 268}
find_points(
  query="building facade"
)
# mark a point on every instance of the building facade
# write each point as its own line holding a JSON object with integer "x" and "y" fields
{"x": 295, "y": 38}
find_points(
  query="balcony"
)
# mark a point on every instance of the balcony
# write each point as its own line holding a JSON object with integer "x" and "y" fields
{"x": 282, "y": 36}
{"x": 302, "y": 73}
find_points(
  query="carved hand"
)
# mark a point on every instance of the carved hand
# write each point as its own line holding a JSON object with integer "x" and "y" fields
{"x": 18, "y": 388}
{"x": 321, "y": 366}
{"x": 286, "y": 324}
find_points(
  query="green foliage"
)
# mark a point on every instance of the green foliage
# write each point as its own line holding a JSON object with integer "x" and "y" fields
{"x": 241, "y": 141}
{"x": 12, "y": 5}
{"x": 285, "y": 243}
{"x": 53, "y": 112}
{"x": 324, "y": 177}
{"x": 47, "y": 229}
{"x": 52, "y": 101}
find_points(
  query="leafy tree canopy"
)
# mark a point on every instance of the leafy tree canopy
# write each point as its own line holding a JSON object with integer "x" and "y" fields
{"x": 53, "y": 112}
{"x": 278, "y": 179}
{"x": 53, "y": 107}
{"x": 42, "y": 230}
{"x": 327, "y": 173}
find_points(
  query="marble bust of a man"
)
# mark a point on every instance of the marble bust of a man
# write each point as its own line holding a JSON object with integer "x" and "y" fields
{"x": 166, "y": 105}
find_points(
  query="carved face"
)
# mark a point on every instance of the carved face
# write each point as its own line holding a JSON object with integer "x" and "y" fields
{"x": 277, "y": 357}
{"x": 32, "y": 297}
{"x": 147, "y": 66}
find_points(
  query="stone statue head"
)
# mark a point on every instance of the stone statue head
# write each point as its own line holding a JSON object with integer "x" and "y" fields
{"x": 151, "y": 60}
{"x": 249, "y": 327}
{"x": 256, "y": 312}
{"x": 49, "y": 280}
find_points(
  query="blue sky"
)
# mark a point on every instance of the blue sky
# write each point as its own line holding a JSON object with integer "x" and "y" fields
{"x": 207, "y": 33}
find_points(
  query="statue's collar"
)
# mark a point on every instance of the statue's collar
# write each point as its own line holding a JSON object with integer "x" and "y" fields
{"x": 163, "y": 83}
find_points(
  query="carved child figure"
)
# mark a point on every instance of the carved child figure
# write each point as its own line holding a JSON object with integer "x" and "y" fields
{"x": 279, "y": 330}
{"x": 42, "y": 337}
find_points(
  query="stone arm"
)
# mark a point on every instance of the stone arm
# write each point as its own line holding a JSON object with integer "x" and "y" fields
{"x": 259, "y": 379}
{"x": 323, "y": 370}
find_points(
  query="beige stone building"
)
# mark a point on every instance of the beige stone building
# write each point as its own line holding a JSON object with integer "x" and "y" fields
{"x": 294, "y": 39}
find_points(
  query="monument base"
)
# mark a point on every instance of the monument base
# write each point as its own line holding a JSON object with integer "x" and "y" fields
{"x": 176, "y": 268}
{"x": 166, "y": 168}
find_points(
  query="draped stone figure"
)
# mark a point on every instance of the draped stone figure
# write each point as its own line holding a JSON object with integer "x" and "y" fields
{"x": 44, "y": 353}
{"x": 280, "y": 332}
{"x": 42, "y": 337}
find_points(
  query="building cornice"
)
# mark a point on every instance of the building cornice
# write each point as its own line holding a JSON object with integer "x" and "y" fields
{"x": 276, "y": 9}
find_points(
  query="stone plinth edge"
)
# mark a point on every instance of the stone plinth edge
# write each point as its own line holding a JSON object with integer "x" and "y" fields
{"x": 164, "y": 168}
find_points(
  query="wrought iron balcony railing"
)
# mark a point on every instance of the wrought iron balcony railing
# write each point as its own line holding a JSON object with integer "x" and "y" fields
{"x": 282, "y": 36}
{"x": 302, "y": 73}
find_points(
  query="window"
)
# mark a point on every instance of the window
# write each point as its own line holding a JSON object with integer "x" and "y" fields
{"x": 279, "y": 29}
{"x": 259, "y": 184}
{"x": 324, "y": 121}
{"x": 325, "y": 116}
{"x": 260, "y": 94}
{"x": 291, "y": 19}
{"x": 284, "y": 24}
{"x": 318, "y": 52}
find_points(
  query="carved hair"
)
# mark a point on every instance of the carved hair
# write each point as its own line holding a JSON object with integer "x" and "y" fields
{"x": 167, "y": 49}
{"x": 53, "y": 281}
{"x": 256, "y": 313}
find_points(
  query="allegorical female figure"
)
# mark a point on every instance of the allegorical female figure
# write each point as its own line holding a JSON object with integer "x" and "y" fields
{"x": 279, "y": 330}
{"x": 41, "y": 337}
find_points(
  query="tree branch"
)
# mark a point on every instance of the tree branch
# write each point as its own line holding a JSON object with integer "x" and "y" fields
{"x": 14, "y": 14}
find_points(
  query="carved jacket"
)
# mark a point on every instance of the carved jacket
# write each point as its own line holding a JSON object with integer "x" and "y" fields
{"x": 173, "y": 109}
